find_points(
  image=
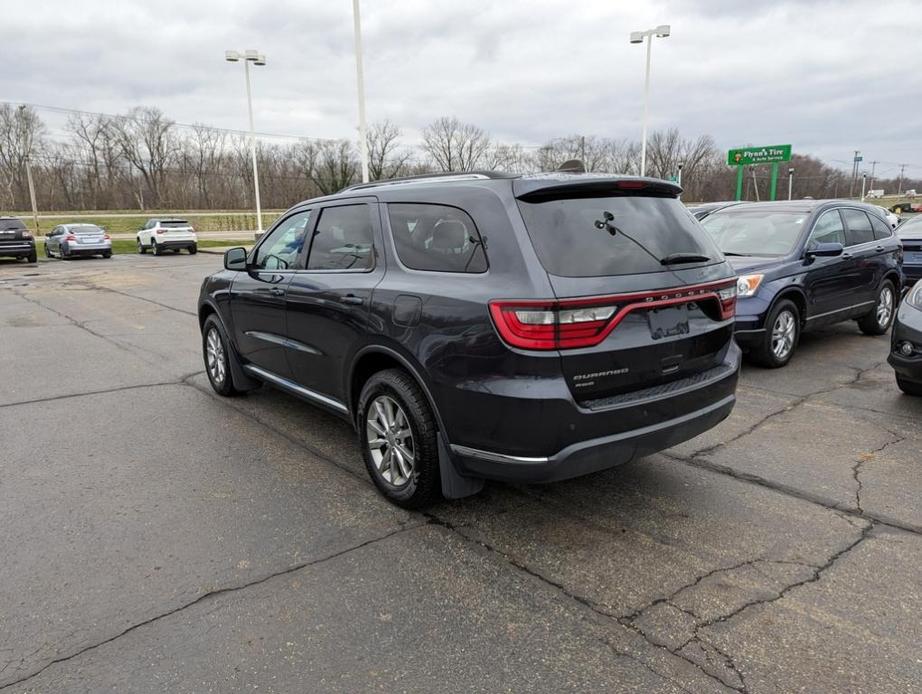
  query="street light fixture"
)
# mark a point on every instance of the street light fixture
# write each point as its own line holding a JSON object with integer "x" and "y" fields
{"x": 790, "y": 181}
{"x": 662, "y": 31}
{"x": 257, "y": 58}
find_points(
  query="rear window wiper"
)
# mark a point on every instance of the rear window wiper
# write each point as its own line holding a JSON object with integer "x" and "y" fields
{"x": 677, "y": 258}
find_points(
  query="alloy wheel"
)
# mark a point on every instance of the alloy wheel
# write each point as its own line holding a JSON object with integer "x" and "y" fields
{"x": 885, "y": 307}
{"x": 214, "y": 355}
{"x": 390, "y": 440}
{"x": 783, "y": 333}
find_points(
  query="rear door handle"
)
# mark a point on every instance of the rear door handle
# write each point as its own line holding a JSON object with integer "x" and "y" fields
{"x": 353, "y": 299}
{"x": 879, "y": 249}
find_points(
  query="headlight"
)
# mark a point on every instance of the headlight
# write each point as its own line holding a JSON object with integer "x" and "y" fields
{"x": 914, "y": 298}
{"x": 747, "y": 285}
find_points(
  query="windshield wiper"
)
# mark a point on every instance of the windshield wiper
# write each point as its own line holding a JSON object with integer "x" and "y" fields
{"x": 677, "y": 258}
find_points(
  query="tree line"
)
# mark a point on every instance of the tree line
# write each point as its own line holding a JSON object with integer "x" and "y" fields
{"x": 144, "y": 160}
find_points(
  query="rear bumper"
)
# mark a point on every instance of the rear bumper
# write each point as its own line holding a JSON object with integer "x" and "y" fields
{"x": 17, "y": 249}
{"x": 661, "y": 418}
{"x": 912, "y": 274}
{"x": 185, "y": 242}
{"x": 89, "y": 249}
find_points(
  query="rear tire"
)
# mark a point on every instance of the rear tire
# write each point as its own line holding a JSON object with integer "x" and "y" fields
{"x": 62, "y": 253}
{"x": 155, "y": 247}
{"x": 141, "y": 248}
{"x": 399, "y": 440}
{"x": 909, "y": 387}
{"x": 107, "y": 254}
{"x": 33, "y": 256}
{"x": 193, "y": 249}
{"x": 47, "y": 252}
{"x": 878, "y": 321}
{"x": 782, "y": 333}
{"x": 217, "y": 355}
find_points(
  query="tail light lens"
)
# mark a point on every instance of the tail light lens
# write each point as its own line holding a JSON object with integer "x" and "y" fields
{"x": 573, "y": 323}
{"x": 27, "y": 235}
{"x": 159, "y": 231}
{"x": 106, "y": 237}
{"x": 70, "y": 237}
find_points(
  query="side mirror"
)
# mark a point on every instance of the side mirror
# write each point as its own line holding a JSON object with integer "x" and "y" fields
{"x": 235, "y": 259}
{"x": 825, "y": 250}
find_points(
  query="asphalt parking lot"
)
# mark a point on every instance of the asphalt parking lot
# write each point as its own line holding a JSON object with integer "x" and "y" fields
{"x": 158, "y": 538}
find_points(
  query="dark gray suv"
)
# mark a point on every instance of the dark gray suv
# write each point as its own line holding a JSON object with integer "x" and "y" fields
{"x": 485, "y": 326}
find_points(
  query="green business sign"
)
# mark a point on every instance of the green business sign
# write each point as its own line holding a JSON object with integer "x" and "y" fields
{"x": 758, "y": 155}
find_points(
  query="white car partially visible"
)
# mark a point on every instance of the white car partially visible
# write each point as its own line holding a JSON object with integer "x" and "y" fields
{"x": 159, "y": 235}
{"x": 891, "y": 218}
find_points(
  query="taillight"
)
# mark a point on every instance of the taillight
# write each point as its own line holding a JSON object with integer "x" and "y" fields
{"x": 27, "y": 235}
{"x": 572, "y": 323}
{"x": 159, "y": 231}
{"x": 106, "y": 237}
{"x": 70, "y": 237}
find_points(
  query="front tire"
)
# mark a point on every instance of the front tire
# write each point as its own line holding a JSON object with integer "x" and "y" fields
{"x": 909, "y": 387}
{"x": 399, "y": 439}
{"x": 217, "y": 356}
{"x": 878, "y": 321}
{"x": 782, "y": 333}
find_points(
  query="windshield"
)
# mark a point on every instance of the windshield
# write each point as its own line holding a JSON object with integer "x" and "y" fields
{"x": 756, "y": 231}
{"x": 624, "y": 235}
{"x": 912, "y": 227}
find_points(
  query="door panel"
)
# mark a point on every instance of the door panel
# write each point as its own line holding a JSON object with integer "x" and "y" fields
{"x": 863, "y": 248}
{"x": 258, "y": 294}
{"x": 830, "y": 283}
{"x": 327, "y": 304}
{"x": 258, "y": 310}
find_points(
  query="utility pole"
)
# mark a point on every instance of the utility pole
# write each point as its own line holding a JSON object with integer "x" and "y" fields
{"x": 873, "y": 167}
{"x": 582, "y": 149}
{"x": 854, "y": 179}
{"x": 900, "y": 188}
{"x": 32, "y": 192}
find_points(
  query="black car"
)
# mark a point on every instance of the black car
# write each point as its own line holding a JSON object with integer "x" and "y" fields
{"x": 16, "y": 241}
{"x": 530, "y": 328}
{"x": 906, "y": 345}
{"x": 705, "y": 209}
{"x": 910, "y": 235}
{"x": 806, "y": 264}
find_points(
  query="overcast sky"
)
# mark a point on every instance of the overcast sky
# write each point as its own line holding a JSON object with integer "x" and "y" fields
{"x": 828, "y": 77}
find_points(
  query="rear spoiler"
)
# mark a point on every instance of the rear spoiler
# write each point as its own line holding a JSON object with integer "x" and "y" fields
{"x": 556, "y": 186}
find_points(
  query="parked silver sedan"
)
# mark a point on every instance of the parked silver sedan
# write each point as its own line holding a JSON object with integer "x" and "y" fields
{"x": 69, "y": 240}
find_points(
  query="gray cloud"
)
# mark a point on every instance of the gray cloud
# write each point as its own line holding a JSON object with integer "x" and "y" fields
{"x": 829, "y": 77}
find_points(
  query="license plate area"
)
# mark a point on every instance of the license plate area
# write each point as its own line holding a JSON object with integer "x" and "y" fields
{"x": 913, "y": 258}
{"x": 668, "y": 322}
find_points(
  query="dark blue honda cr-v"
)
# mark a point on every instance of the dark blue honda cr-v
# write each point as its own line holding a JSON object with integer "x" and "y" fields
{"x": 805, "y": 264}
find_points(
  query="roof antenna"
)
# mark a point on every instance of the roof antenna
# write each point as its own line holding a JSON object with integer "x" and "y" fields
{"x": 572, "y": 166}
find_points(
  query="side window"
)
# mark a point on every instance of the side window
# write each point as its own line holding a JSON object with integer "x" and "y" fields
{"x": 859, "y": 227}
{"x": 437, "y": 238}
{"x": 828, "y": 229}
{"x": 283, "y": 245}
{"x": 881, "y": 228}
{"x": 343, "y": 240}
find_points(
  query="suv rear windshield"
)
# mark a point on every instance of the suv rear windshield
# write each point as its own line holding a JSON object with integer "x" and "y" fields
{"x": 641, "y": 232}
{"x": 11, "y": 225}
{"x": 168, "y": 223}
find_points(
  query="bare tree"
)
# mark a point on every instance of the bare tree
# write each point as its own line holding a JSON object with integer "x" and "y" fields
{"x": 455, "y": 146}
{"x": 149, "y": 145}
{"x": 21, "y": 136}
{"x": 386, "y": 159}
{"x": 336, "y": 166}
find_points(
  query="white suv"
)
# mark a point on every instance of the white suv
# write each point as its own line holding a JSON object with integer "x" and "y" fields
{"x": 161, "y": 235}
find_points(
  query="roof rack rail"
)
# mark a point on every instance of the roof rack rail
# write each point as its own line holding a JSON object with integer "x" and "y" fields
{"x": 431, "y": 178}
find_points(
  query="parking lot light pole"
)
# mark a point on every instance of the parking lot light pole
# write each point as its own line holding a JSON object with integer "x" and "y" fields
{"x": 864, "y": 180}
{"x": 662, "y": 31}
{"x": 790, "y": 182}
{"x": 257, "y": 58}
{"x": 360, "y": 85}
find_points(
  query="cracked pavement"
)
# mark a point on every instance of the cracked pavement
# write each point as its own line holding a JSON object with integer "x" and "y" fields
{"x": 159, "y": 538}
